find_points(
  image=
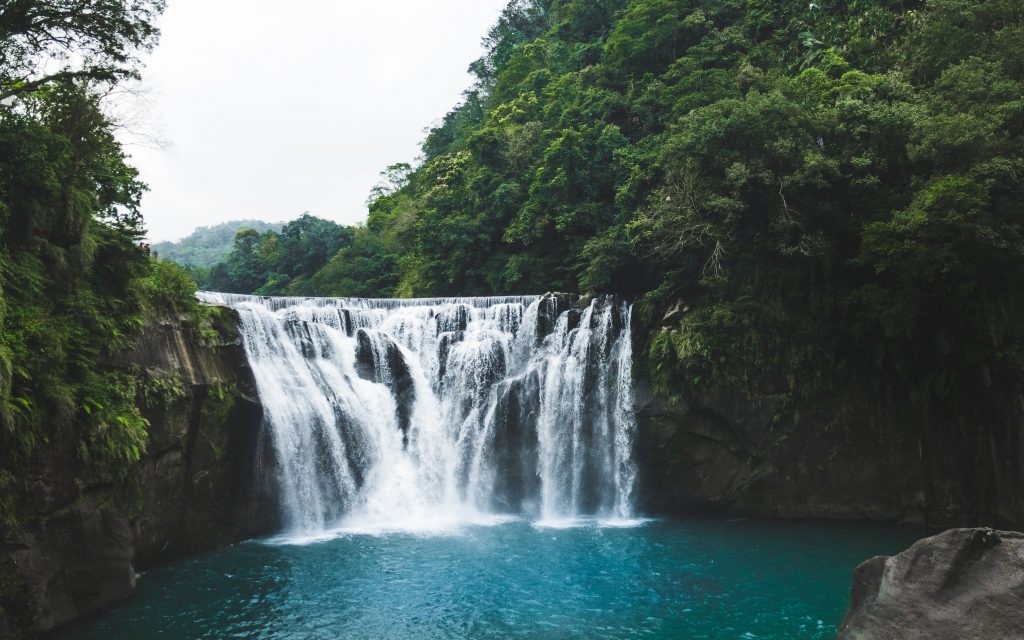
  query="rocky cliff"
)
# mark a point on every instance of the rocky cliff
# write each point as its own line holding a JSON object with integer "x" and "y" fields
{"x": 753, "y": 452}
{"x": 963, "y": 583}
{"x": 79, "y": 549}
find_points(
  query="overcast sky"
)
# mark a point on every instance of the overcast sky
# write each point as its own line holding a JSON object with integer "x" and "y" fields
{"x": 267, "y": 111}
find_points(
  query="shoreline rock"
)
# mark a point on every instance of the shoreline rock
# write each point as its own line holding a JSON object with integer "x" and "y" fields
{"x": 960, "y": 584}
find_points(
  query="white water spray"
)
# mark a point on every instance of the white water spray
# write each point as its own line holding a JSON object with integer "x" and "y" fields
{"x": 424, "y": 414}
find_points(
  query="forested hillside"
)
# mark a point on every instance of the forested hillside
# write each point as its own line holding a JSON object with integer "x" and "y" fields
{"x": 826, "y": 188}
{"x": 206, "y": 246}
{"x": 298, "y": 261}
{"x": 814, "y": 196}
{"x": 823, "y": 185}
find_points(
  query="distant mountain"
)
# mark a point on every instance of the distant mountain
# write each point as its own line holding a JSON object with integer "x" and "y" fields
{"x": 209, "y": 245}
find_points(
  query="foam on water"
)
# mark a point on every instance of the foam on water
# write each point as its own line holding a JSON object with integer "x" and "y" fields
{"x": 427, "y": 416}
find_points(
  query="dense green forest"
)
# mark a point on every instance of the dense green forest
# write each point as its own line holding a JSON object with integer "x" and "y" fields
{"x": 299, "y": 260}
{"x": 206, "y": 246}
{"x": 75, "y": 286}
{"x": 827, "y": 194}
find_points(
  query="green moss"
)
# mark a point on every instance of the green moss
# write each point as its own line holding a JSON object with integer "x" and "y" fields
{"x": 220, "y": 401}
{"x": 216, "y": 411}
{"x": 113, "y": 429}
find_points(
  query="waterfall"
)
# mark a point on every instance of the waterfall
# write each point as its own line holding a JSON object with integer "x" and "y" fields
{"x": 409, "y": 413}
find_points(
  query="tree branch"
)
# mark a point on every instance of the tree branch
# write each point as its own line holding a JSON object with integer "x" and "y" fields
{"x": 32, "y": 85}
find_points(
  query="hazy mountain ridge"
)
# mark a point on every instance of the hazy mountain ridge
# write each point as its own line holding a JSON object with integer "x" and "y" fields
{"x": 206, "y": 246}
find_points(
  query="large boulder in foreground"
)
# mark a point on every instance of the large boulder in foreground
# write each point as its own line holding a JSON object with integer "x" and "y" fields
{"x": 964, "y": 583}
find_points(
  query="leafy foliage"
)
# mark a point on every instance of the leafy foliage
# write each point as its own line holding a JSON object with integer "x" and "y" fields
{"x": 46, "y": 42}
{"x": 273, "y": 263}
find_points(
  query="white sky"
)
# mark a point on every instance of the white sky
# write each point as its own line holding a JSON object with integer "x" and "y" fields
{"x": 265, "y": 112}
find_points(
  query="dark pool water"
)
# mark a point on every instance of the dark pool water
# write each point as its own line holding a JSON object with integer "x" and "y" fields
{"x": 692, "y": 579}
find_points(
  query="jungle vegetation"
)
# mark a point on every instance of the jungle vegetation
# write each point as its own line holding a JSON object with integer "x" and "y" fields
{"x": 827, "y": 194}
{"x": 75, "y": 284}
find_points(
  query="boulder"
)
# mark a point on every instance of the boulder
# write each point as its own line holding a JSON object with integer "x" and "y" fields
{"x": 444, "y": 348}
{"x": 455, "y": 318}
{"x": 963, "y": 583}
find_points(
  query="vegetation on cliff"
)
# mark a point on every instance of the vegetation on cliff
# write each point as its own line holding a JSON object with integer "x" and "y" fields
{"x": 829, "y": 188}
{"x": 75, "y": 285}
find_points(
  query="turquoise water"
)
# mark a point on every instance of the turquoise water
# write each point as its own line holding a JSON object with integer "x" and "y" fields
{"x": 692, "y": 579}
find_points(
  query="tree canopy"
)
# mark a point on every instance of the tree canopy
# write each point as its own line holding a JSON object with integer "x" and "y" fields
{"x": 206, "y": 246}
{"x": 828, "y": 196}
{"x": 273, "y": 263}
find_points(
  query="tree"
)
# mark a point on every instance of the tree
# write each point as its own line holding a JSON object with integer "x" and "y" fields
{"x": 93, "y": 40}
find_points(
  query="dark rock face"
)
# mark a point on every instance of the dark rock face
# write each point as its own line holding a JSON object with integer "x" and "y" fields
{"x": 299, "y": 332}
{"x": 382, "y": 361}
{"x": 66, "y": 581}
{"x": 198, "y": 485}
{"x": 515, "y": 445}
{"x": 750, "y": 453}
{"x": 194, "y": 489}
{"x": 553, "y": 305}
{"x": 455, "y": 320}
{"x": 963, "y": 583}
{"x": 444, "y": 348}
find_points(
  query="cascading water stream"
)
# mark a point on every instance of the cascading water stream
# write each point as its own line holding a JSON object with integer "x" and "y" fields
{"x": 411, "y": 414}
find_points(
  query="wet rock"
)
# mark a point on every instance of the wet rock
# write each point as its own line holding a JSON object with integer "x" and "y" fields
{"x": 515, "y": 446}
{"x": 444, "y": 349}
{"x": 553, "y": 305}
{"x": 345, "y": 316}
{"x": 454, "y": 319}
{"x": 963, "y": 583}
{"x": 573, "y": 319}
{"x": 298, "y": 331}
{"x": 380, "y": 360}
{"x": 194, "y": 489}
{"x": 754, "y": 452}
{"x": 70, "y": 581}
